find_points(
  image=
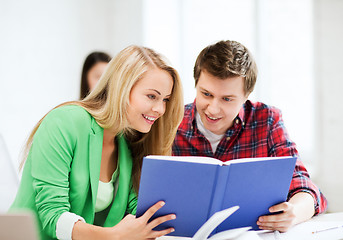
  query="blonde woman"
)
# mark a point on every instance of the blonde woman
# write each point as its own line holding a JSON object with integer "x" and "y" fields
{"x": 82, "y": 170}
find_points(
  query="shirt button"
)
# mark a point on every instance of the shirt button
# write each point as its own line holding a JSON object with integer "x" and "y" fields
{"x": 237, "y": 121}
{"x": 228, "y": 138}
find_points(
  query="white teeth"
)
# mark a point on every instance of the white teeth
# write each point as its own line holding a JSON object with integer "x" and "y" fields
{"x": 149, "y": 118}
{"x": 212, "y": 118}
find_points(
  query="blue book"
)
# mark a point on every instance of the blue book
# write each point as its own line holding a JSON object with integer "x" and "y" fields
{"x": 195, "y": 188}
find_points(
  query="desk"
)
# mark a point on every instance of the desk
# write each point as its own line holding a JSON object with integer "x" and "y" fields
{"x": 302, "y": 231}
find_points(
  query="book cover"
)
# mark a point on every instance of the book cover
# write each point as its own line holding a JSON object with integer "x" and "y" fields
{"x": 194, "y": 188}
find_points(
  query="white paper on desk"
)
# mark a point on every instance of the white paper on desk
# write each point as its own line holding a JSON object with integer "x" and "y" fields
{"x": 304, "y": 231}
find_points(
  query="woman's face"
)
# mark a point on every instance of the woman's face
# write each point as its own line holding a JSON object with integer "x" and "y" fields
{"x": 94, "y": 74}
{"x": 148, "y": 99}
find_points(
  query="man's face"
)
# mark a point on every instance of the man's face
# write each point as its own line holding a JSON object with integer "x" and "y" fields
{"x": 218, "y": 101}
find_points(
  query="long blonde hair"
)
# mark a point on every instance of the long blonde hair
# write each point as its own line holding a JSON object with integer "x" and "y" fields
{"x": 109, "y": 101}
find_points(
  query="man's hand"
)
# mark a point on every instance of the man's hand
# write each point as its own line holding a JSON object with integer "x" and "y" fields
{"x": 281, "y": 221}
{"x": 298, "y": 209}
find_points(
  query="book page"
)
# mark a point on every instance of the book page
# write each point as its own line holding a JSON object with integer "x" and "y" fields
{"x": 243, "y": 160}
{"x": 191, "y": 159}
{"x": 235, "y": 234}
{"x": 213, "y": 222}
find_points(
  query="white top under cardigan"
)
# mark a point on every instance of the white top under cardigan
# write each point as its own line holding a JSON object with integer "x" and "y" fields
{"x": 105, "y": 195}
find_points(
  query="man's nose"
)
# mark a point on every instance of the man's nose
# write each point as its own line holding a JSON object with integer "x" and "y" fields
{"x": 213, "y": 107}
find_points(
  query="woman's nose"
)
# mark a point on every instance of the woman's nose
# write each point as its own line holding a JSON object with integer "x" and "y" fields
{"x": 159, "y": 107}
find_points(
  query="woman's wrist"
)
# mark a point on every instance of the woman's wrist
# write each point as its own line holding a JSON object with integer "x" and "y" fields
{"x": 112, "y": 233}
{"x": 84, "y": 231}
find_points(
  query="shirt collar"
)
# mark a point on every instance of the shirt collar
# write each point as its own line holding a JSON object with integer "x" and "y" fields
{"x": 193, "y": 124}
{"x": 241, "y": 114}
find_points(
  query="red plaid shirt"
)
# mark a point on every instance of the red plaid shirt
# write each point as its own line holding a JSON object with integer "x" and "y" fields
{"x": 258, "y": 131}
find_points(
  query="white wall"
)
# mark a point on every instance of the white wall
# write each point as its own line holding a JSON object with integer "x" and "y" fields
{"x": 43, "y": 45}
{"x": 329, "y": 65}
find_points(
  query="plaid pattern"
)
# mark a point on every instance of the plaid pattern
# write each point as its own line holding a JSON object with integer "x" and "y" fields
{"x": 258, "y": 131}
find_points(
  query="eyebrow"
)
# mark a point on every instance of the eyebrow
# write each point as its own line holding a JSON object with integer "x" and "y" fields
{"x": 155, "y": 91}
{"x": 159, "y": 92}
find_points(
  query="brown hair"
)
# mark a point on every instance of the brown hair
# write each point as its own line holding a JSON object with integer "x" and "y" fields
{"x": 91, "y": 60}
{"x": 227, "y": 59}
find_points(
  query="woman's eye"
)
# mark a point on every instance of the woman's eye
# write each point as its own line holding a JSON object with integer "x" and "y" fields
{"x": 227, "y": 99}
{"x": 166, "y": 100}
{"x": 151, "y": 96}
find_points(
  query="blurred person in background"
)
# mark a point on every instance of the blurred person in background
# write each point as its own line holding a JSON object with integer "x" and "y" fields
{"x": 93, "y": 67}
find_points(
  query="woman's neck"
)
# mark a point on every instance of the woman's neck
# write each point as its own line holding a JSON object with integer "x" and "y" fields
{"x": 108, "y": 137}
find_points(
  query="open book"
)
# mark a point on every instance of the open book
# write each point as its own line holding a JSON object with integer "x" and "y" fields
{"x": 195, "y": 188}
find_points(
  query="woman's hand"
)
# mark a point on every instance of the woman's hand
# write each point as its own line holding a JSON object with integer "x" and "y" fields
{"x": 129, "y": 228}
{"x": 139, "y": 228}
{"x": 298, "y": 209}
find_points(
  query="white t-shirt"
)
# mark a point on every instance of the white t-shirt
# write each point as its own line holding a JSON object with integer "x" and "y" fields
{"x": 214, "y": 139}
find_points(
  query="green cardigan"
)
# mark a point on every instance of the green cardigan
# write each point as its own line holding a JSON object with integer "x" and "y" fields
{"x": 62, "y": 171}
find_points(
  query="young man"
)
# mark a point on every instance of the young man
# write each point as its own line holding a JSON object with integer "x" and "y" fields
{"x": 224, "y": 124}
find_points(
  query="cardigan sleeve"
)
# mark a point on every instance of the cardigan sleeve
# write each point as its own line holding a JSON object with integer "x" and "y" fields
{"x": 132, "y": 202}
{"x": 51, "y": 154}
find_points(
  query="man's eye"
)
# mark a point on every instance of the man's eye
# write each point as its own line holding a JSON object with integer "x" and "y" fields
{"x": 227, "y": 99}
{"x": 206, "y": 94}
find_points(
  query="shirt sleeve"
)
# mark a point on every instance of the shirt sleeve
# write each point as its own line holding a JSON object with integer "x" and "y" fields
{"x": 65, "y": 225}
{"x": 281, "y": 145}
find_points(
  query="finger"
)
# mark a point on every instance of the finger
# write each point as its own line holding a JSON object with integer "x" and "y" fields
{"x": 280, "y": 229}
{"x": 273, "y": 218}
{"x": 156, "y": 234}
{"x": 152, "y": 210}
{"x": 272, "y": 225}
{"x": 280, "y": 207}
{"x": 160, "y": 220}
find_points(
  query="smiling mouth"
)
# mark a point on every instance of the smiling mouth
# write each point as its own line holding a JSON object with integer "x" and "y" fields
{"x": 212, "y": 118}
{"x": 150, "y": 119}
